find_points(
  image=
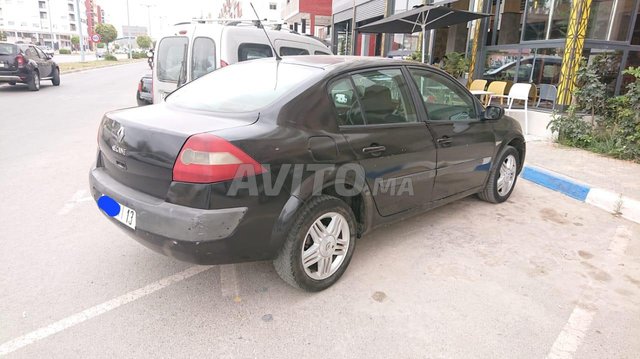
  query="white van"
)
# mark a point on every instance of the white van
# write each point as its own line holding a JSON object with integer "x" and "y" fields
{"x": 195, "y": 49}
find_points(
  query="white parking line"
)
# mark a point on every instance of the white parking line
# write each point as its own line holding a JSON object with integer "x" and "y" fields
{"x": 78, "y": 197}
{"x": 574, "y": 331}
{"x": 572, "y": 334}
{"x": 229, "y": 281}
{"x": 99, "y": 309}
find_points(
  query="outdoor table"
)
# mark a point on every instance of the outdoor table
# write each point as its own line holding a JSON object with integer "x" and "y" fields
{"x": 482, "y": 93}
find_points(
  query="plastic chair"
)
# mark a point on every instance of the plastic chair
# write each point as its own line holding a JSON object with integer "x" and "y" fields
{"x": 548, "y": 93}
{"x": 478, "y": 85}
{"x": 498, "y": 88}
{"x": 518, "y": 92}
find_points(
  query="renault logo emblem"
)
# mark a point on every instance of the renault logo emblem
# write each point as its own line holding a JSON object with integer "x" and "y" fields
{"x": 120, "y": 134}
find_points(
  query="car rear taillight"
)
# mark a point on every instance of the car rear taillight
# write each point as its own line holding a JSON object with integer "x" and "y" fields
{"x": 223, "y": 63}
{"x": 140, "y": 86}
{"x": 206, "y": 158}
{"x": 20, "y": 60}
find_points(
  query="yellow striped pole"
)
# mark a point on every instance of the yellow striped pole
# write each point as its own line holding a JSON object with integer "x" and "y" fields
{"x": 576, "y": 32}
{"x": 474, "y": 45}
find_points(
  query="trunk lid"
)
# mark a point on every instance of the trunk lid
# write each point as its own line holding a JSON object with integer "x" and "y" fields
{"x": 139, "y": 146}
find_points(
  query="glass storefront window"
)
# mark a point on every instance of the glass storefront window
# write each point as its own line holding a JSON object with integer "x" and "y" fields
{"x": 501, "y": 65}
{"x": 610, "y": 19}
{"x": 609, "y": 63}
{"x": 633, "y": 60}
{"x": 537, "y": 66}
{"x": 547, "y": 19}
{"x": 537, "y": 19}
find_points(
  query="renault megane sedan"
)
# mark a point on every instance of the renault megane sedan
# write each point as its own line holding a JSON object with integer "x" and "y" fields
{"x": 293, "y": 160}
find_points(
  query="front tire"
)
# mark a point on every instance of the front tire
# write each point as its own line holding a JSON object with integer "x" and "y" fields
{"x": 319, "y": 246}
{"x": 55, "y": 79}
{"x": 34, "y": 83}
{"x": 503, "y": 177}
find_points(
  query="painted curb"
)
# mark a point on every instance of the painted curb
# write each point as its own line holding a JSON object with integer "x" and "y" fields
{"x": 612, "y": 202}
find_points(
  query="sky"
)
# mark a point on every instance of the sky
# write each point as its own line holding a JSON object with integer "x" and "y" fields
{"x": 163, "y": 13}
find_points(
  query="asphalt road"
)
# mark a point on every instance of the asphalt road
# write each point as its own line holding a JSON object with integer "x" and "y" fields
{"x": 539, "y": 276}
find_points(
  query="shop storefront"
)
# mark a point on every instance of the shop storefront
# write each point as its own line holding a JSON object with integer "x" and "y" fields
{"x": 523, "y": 41}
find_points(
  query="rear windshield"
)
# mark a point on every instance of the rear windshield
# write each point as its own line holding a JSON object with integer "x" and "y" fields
{"x": 8, "y": 49}
{"x": 242, "y": 87}
{"x": 170, "y": 57}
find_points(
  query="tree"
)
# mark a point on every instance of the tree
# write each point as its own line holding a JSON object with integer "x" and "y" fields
{"x": 143, "y": 41}
{"x": 3, "y": 36}
{"x": 75, "y": 40}
{"x": 107, "y": 33}
{"x": 231, "y": 9}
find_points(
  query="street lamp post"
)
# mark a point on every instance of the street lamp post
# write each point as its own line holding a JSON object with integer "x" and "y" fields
{"x": 80, "y": 29}
{"x": 128, "y": 30}
{"x": 148, "y": 6}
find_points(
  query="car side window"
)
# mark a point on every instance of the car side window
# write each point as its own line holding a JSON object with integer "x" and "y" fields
{"x": 384, "y": 96}
{"x": 443, "y": 99}
{"x": 292, "y": 51}
{"x": 346, "y": 102}
{"x": 41, "y": 54}
{"x": 250, "y": 51}
{"x": 31, "y": 52}
{"x": 321, "y": 53}
{"x": 203, "y": 59}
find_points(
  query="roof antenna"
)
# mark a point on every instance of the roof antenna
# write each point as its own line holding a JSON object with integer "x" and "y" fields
{"x": 265, "y": 32}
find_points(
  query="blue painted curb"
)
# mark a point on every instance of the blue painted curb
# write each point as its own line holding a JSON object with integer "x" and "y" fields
{"x": 556, "y": 182}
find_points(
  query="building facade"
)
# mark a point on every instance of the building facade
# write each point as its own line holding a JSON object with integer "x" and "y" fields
{"x": 537, "y": 41}
{"x": 311, "y": 17}
{"x": 43, "y": 22}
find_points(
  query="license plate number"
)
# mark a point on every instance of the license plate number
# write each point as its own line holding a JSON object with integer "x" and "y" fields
{"x": 127, "y": 216}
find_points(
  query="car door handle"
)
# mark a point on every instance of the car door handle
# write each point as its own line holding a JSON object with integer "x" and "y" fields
{"x": 374, "y": 150}
{"x": 444, "y": 141}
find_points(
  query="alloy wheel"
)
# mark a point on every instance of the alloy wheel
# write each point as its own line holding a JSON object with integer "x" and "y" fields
{"x": 325, "y": 245}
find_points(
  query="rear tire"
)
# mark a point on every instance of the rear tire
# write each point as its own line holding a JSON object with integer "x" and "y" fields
{"x": 324, "y": 233}
{"x": 55, "y": 78}
{"x": 34, "y": 83}
{"x": 503, "y": 177}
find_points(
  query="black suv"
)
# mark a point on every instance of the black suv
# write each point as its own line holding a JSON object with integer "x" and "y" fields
{"x": 24, "y": 63}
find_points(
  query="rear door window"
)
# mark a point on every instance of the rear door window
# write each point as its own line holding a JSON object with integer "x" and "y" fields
{"x": 384, "y": 96}
{"x": 203, "y": 59}
{"x": 250, "y": 51}
{"x": 32, "y": 53}
{"x": 170, "y": 57}
{"x": 321, "y": 53}
{"x": 292, "y": 51}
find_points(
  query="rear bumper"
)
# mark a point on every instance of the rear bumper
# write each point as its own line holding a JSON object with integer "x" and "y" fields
{"x": 10, "y": 78}
{"x": 187, "y": 234}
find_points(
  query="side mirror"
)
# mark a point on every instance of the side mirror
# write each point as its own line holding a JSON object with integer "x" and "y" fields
{"x": 493, "y": 113}
{"x": 50, "y": 56}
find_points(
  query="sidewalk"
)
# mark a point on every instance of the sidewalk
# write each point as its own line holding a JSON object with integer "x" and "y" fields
{"x": 611, "y": 184}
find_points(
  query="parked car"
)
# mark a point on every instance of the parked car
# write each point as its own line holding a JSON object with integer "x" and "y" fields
{"x": 47, "y": 50}
{"x": 24, "y": 63}
{"x": 101, "y": 52}
{"x": 144, "y": 95}
{"x": 222, "y": 172}
{"x": 193, "y": 50}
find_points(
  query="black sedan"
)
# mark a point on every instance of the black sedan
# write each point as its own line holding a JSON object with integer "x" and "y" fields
{"x": 292, "y": 160}
{"x": 28, "y": 64}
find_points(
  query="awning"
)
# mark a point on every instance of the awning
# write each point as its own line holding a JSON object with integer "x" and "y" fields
{"x": 421, "y": 19}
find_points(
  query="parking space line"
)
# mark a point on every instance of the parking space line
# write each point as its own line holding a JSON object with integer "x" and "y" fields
{"x": 229, "y": 281}
{"x": 78, "y": 197}
{"x": 572, "y": 334}
{"x": 97, "y": 310}
{"x": 575, "y": 329}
